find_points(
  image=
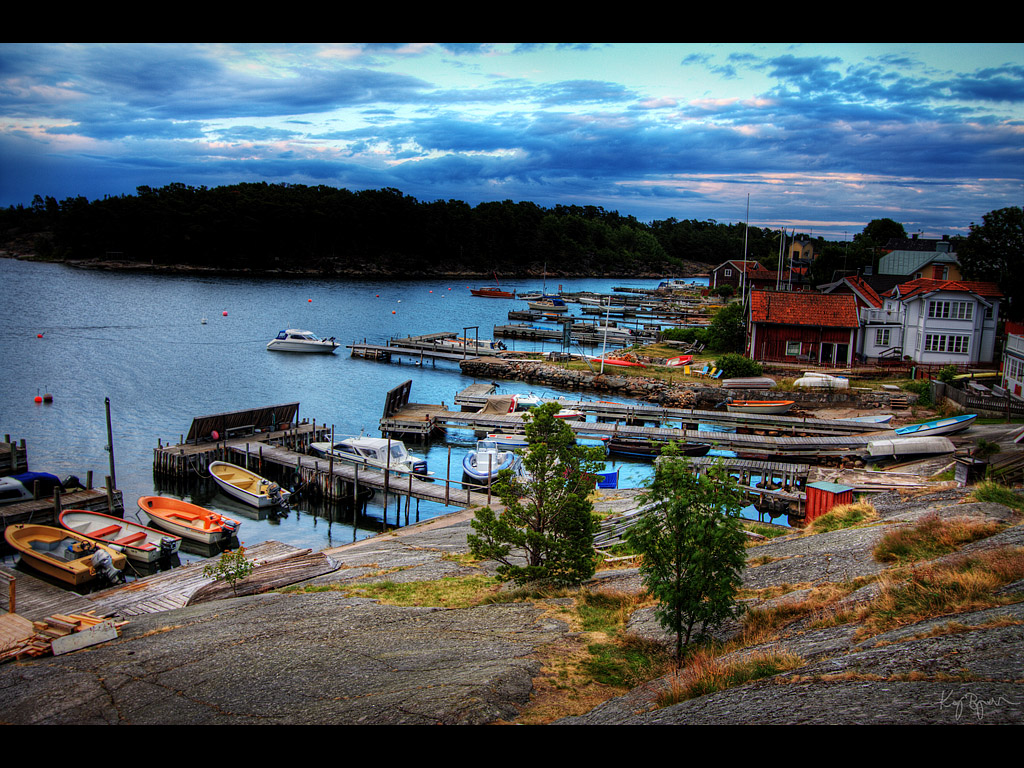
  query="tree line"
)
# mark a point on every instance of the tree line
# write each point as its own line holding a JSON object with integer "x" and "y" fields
{"x": 326, "y": 230}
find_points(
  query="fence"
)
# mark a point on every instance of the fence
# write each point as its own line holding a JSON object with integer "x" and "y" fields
{"x": 992, "y": 405}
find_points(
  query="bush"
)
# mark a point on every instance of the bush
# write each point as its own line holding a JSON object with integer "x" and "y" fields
{"x": 734, "y": 366}
{"x": 922, "y": 388}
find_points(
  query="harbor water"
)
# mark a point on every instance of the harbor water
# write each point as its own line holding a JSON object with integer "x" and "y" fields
{"x": 167, "y": 348}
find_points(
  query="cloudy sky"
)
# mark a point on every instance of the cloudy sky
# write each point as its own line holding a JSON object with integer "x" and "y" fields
{"x": 821, "y": 137}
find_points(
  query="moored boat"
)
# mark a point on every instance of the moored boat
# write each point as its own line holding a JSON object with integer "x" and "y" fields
{"x": 23, "y": 486}
{"x": 649, "y": 449}
{"x": 492, "y": 293}
{"x": 483, "y": 463}
{"x": 773, "y": 407}
{"x": 65, "y": 555}
{"x": 246, "y": 486}
{"x": 139, "y": 542}
{"x": 374, "y": 452}
{"x": 190, "y": 521}
{"x": 947, "y": 426}
{"x": 812, "y": 380}
{"x": 297, "y": 340}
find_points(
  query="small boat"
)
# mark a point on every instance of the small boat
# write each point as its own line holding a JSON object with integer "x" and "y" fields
{"x": 681, "y": 360}
{"x": 773, "y": 407}
{"x": 508, "y": 442}
{"x": 822, "y": 381}
{"x": 616, "y": 361}
{"x": 651, "y": 448}
{"x": 297, "y": 340}
{"x": 139, "y": 542}
{"x": 374, "y": 452}
{"x": 65, "y": 555}
{"x": 190, "y": 521}
{"x": 15, "y": 488}
{"x": 549, "y": 304}
{"x": 245, "y": 485}
{"x": 483, "y": 463}
{"x": 948, "y": 426}
{"x": 880, "y": 419}
{"x": 492, "y": 293}
{"x": 909, "y": 446}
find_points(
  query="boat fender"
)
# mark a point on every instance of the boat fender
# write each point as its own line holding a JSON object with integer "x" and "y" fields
{"x": 103, "y": 564}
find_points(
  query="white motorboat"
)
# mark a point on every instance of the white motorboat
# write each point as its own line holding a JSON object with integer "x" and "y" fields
{"x": 375, "y": 452}
{"x": 483, "y": 463}
{"x": 138, "y": 542}
{"x": 15, "y": 488}
{"x": 296, "y": 340}
{"x": 246, "y": 486}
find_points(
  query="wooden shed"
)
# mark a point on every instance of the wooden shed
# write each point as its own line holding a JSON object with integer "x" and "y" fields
{"x": 823, "y": 496}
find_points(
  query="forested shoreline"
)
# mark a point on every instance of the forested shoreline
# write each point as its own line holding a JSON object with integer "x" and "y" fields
{"x": 296, "y": 229}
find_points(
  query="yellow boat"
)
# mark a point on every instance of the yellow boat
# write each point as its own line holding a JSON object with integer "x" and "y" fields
{"x": 64, "y": 555}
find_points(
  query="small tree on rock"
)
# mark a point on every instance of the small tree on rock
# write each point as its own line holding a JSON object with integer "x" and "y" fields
{"x": 546, "y": 531}
{"x": 693, "y": 548}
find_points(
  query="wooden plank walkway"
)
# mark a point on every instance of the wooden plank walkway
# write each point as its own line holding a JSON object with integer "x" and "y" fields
{"x": 180, "y": 586}
{"x": 754, "y": 445}
{"x": 35, "y": 599}
{"x": 405, "y": 484}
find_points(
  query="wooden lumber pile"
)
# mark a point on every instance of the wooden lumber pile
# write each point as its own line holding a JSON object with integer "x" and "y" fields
{"x": 46, "y": 631}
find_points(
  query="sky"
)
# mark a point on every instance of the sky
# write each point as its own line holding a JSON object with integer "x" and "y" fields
{"x": 821, "y": 138}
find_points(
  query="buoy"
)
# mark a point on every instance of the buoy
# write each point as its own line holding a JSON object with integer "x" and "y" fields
{"x": 392, "y": 311}
{"x": 47, "y": 398}
{"x": 215, "y": 435}
{"x": 309, "y": 300}
{"x": 39, "y": 335}
{"x": 38, "y": 399}
{"x": 225, "y": 313}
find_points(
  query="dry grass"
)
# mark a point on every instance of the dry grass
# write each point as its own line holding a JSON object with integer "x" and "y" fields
{"x": 843, "y": 516}
{"x": 932, "y": 537}
{"x": 706, "y": 673}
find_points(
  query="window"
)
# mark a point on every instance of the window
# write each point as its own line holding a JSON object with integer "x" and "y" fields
{"x": 728, "y": 273}
{"x": 955, "y": 310}
{"x": 792, "y": 347}
{"x": 958, "y": 345}
{"x": 882, "y": 337}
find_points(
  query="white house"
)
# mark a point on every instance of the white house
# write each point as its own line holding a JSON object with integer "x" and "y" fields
{"x": 933, "y": 321}
{"x": 1013, "y": 361}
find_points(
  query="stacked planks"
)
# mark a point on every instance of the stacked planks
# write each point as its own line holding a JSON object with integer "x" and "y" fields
{"x": 43, "y": 633}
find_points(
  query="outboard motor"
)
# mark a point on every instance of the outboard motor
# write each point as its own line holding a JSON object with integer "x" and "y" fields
{"x": 230, "y": 527}
{"x": 274, "y": 492}
{"x": 166, "y": 547}
{"x": 103, "y": 565}
{"x": 419, "y": 468}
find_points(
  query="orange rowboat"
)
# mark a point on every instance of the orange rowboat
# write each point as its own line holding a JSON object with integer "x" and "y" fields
{"x": 190, "y": 521}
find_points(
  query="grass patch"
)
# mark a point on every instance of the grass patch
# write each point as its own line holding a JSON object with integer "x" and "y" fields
{"x": 768, "y": 531}
{"x": 932, "y": 537}
{"x": 452, "y": 592}
{"x": 627, "y": 663}
{"x": 704, "y": 674}
{"x": 965, "y": 584}
{"x": 843, "y": 516}
{"x": 999, "y": 494}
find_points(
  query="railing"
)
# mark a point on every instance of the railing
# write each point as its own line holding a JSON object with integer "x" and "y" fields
{"x": 1006, "y": 406}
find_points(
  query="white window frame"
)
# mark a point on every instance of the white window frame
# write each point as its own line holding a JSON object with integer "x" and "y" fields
{"x": 954, "y": 344}
{"x": 789, "y": 348}
{"x": 882, "y": 337}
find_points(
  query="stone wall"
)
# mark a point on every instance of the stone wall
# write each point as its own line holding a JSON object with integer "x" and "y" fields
{"x": 669, "y": 394}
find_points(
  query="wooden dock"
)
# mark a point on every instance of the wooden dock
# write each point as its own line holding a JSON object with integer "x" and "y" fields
{"x": 46, "y": 511}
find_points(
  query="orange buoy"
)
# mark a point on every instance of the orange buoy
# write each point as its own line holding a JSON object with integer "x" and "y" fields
{"x": 392, "y": 311}
{"x": 38, "y": 399}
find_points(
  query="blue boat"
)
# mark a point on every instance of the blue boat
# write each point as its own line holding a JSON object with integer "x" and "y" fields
{"x": 947, "y": 426}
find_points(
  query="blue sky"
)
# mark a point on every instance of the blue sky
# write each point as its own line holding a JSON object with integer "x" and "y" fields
{"x": 822, "y": 137}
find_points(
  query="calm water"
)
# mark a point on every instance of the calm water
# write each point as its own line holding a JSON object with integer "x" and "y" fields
{"x": 139, "y": 340}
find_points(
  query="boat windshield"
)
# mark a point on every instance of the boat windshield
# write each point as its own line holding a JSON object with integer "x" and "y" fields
{"x": 397, "y": 451}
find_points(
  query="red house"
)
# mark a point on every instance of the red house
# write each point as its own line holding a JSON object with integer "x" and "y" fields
{"x": 803, "y": 327}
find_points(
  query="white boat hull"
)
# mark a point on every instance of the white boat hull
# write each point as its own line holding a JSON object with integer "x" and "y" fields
{"x": 909, "y": 446}
{"x": 266, "y": 494}
{"x": 948, "y": 426}
{"x": 139, "y": 543}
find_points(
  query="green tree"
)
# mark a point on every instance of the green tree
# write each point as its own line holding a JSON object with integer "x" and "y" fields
{"x": 546, "y": 531}
{"x": 993, "y": 251}
{"x": 726, "y": 332}
{"x": 692, "y": 546}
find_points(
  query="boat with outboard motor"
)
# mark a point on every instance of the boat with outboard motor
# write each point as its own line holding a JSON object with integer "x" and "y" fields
{"x": 65, "y": 555}
{"x": 190, "y": 521}
{"x": 139, "y": 542}
{"x": 245, "y": 485}
{"x": 297, "y": 340}
{"x": 374, "y": 452}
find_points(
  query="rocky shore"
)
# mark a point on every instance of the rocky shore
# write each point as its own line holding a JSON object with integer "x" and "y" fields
{"x": 321, "y": 657}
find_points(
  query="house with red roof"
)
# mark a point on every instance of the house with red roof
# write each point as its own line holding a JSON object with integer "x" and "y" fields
{"x": 933, "y": 321}
{"x": 758, "y": 276}
{"x": 799, "y": 326}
